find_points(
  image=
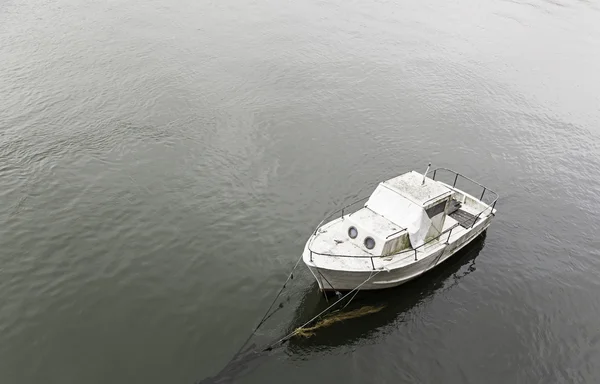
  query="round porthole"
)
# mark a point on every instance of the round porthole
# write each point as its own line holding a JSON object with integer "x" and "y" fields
{"x": 369, "y": 243}
{"x": 352, "y": 232}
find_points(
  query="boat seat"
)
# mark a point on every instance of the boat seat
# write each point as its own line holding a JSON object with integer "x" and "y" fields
{"x": 454, "y": 206}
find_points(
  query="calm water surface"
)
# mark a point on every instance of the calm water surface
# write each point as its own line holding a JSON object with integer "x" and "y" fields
{"x": 163, "y": 162}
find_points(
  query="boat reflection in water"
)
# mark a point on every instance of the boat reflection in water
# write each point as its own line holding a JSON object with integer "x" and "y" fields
{"x": 394, "y": 303}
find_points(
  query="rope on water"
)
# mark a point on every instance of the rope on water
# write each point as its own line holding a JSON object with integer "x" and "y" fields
{"x": 243, "y": 356}
{"x": 297, "y": 330}
{"x": 267, "y": 315}
{"x": 352, "y": 298}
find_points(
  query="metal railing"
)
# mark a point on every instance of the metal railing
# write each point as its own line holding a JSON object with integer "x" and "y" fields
{"x": 485, "y": 190}
{"x": 340, "y": 210}
{"x": 409, "y": 250}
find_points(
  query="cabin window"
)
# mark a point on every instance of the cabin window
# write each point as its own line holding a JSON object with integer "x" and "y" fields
{"x": 369, "y": 243}
{"x": 352, "y": 232}
{"x": 436, "y": 209}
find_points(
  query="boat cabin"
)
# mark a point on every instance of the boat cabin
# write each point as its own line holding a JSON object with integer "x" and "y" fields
{"x": 402, "y": 212}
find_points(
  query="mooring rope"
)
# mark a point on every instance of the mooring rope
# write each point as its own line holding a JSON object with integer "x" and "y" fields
{"x": 352, "y": 298}
{"x": 292, "y": 334}
{"x": 267, "y": 314}
{"x": 237, "y": 363}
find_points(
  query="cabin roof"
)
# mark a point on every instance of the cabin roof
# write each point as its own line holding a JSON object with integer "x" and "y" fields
{"x": 410, "y": 185}
{"x": 374, "y": 222}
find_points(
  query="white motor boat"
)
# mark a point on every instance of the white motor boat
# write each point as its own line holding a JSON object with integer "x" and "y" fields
{"x": 408, "y": 225}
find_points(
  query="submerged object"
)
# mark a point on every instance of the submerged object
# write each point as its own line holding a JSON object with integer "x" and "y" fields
{"x": 336, "y": 317}
{"x": 408, "y": 225}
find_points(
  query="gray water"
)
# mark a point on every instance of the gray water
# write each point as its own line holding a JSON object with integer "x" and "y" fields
{"x": 163, "y": 162}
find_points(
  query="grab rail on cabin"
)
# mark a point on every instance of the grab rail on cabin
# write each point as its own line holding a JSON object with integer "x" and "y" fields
{"x": 415, "y": 250}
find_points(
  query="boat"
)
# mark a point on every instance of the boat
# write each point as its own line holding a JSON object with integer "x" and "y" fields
{"x": 408, "y": 225}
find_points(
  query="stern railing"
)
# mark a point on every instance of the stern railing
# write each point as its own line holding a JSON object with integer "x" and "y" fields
{"x": 484, "y": 190}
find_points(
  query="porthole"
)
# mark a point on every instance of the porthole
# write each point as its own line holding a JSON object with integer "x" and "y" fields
{"x": 352, "y": 232}
{"x": 369, "y": 243}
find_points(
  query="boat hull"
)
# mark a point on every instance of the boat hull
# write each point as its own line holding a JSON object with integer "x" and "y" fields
{"x": 342, "y": 280}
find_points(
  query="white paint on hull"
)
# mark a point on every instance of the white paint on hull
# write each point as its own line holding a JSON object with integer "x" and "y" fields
{"x": 342, "y": 280}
